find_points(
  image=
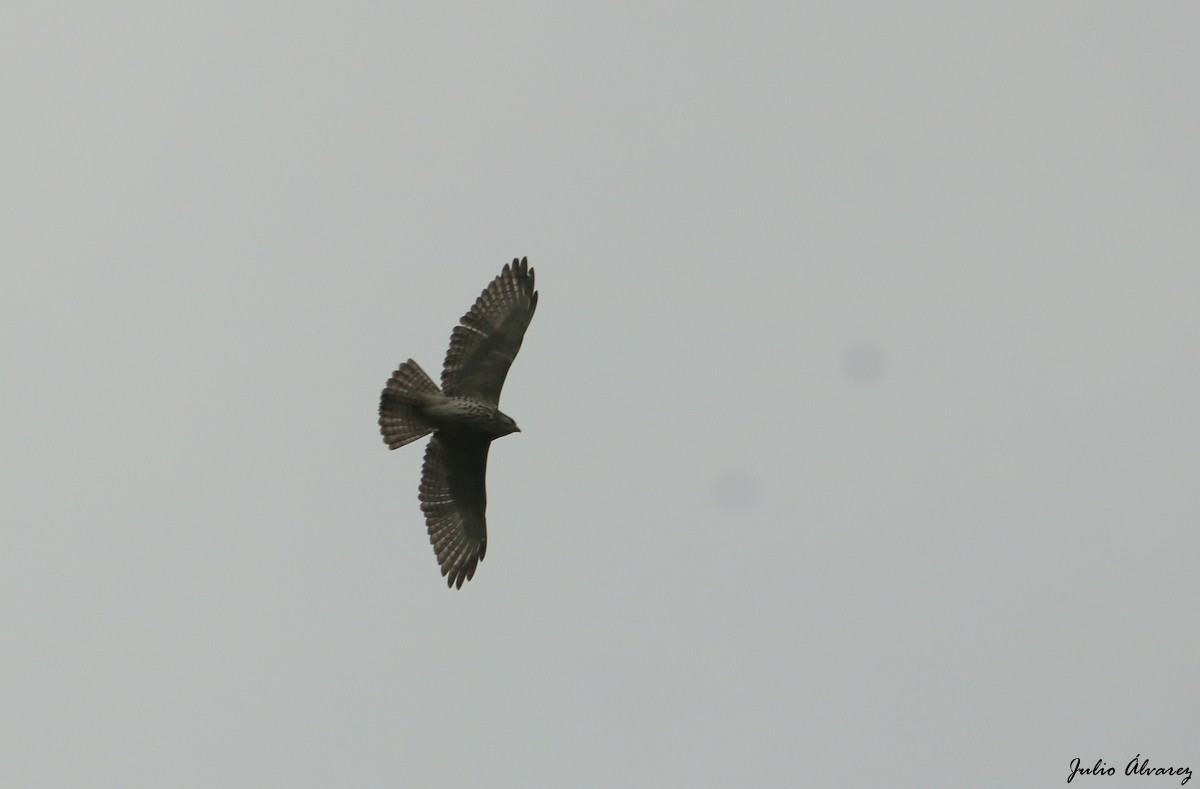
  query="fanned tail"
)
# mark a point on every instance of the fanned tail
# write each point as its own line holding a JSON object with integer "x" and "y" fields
{"x": 401, "y": 420}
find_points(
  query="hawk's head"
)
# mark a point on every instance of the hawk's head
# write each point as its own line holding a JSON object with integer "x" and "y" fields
{"x": 503, "y": 424}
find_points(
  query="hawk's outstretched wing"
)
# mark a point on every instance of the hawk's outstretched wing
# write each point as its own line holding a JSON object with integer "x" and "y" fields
{"x": 454, "y": 499}
{"x": 484, "y": 344}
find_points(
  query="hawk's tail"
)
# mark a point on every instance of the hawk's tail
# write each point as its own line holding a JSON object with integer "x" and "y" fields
{"x": 400, "y": 416}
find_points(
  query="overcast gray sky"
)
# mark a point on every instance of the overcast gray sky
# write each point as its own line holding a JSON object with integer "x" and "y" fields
{"x": 861, "y": 441}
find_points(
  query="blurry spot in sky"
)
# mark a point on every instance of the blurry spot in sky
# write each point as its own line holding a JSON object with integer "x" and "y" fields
{"x": 863, "y": 363}
{"x": 735, "y": 491}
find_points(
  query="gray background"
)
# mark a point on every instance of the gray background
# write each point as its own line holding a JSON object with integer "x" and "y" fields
{"x": 860, "y": 409}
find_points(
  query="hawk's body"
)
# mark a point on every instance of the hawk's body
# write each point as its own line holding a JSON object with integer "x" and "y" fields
{"x": 463, "y": 415}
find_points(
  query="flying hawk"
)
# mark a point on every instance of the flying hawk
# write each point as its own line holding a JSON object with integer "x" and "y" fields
{"x": 464, "y": 417}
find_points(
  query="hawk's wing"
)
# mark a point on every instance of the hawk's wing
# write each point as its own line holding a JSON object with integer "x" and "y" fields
{"x": 453, "y": 498}
{"x": 484, "y": 344}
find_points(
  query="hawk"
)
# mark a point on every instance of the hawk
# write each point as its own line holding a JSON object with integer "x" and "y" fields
{"x": 464, "y": 417}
